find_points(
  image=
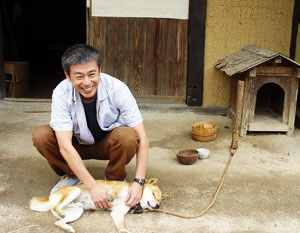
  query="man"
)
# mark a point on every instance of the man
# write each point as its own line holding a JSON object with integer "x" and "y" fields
{"x": 93, "y": 116}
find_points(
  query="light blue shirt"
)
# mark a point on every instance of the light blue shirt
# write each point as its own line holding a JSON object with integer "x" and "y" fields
{"x": 116, "y": 107}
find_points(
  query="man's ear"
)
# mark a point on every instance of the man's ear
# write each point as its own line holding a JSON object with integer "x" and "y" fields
{"x": 152, "y": 181}
{"x": 67, "y": 76}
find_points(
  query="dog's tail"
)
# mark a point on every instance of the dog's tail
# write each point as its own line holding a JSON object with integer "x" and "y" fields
{"x": 44, "y": 204}
{"x": 40, "y": 204}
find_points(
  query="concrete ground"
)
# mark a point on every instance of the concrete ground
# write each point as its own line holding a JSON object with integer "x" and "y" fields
{"x": 261, "y": 191}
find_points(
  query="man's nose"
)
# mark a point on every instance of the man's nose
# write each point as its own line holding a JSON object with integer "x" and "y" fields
{"x": 86, "y": 80}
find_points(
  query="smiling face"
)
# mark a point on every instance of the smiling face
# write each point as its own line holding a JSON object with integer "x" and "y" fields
{"x": 85, "y": 79}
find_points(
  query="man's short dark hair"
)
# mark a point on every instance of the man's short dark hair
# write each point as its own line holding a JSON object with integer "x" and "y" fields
{"x": 79, "y": 54}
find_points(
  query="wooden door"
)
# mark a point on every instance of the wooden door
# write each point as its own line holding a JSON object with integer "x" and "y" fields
{"x": 149, "y": 55}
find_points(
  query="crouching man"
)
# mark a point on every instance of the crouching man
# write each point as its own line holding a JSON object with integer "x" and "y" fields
{"x": 93, "y": 116}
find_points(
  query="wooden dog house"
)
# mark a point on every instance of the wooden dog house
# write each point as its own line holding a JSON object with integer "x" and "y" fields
{"x": 271, "y": 88}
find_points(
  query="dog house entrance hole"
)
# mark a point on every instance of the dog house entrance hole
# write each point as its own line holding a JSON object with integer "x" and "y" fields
{"x": 269, "y": 109}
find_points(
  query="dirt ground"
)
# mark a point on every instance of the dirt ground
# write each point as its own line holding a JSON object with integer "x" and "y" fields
{"x": 261, "y": 191}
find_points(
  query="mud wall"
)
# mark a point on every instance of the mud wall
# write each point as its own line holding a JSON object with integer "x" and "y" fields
{"x": 231, "y": 25}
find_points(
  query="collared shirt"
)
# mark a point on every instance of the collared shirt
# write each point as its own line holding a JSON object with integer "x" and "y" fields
{"x": 116, "y": 107}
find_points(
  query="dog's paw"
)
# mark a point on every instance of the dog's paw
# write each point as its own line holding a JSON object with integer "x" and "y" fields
{"x": 110, "y": 197}
{"x": 65, "y": 226}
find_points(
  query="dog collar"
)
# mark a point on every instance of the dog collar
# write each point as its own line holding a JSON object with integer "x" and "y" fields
{"x": 139, "y": 181}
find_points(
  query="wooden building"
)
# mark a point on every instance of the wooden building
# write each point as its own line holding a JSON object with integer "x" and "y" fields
{"x": 148, "y": 45}
{"x": 271, "y": 89}
{"x": 159, "y": 48}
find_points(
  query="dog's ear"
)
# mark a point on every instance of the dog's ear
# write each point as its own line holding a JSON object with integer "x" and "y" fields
{"x": 164, "y": 196}
{"x": 152, "y": 181}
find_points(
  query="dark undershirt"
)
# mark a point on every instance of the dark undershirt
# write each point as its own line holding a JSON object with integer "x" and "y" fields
{"x": 91, "y": 118}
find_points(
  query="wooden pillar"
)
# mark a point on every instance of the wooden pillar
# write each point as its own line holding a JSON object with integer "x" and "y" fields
{"x": 87, "y": 21}
{"x": 2, "y": 79}
{"x": 246, "y": 106}
{"x": 293, "y": 105}
{"x": 296, "y": 20}
{"x": 197, "y": 20}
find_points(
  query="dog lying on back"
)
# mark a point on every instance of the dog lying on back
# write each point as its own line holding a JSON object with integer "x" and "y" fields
{"x": 69, "y": 203}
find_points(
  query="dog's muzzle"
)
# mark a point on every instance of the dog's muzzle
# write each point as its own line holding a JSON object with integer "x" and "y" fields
{"x": 153, "y": 207}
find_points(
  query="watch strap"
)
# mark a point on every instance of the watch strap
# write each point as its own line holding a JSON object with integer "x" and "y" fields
{"x": 139, "y": 181}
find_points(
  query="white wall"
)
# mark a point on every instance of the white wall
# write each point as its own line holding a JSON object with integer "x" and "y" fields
{"x": 172, "y": 9}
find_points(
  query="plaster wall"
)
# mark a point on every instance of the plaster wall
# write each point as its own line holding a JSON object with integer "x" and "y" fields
{"x": 233, "y": 24}
{"x": 297, "y": 56}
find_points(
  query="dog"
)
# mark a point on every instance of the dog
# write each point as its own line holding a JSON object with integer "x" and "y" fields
{"x": 68, "y": 203}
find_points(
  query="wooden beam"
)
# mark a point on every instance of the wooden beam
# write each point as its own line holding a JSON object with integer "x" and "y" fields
{"x": 293, "y": 106}
{"x": 296, "y": 20}
{"x": 87, "y": 21}
{"x": 275, "y": 71}
{"x": 252, "y": 72}
{"x": 297, "y": 72}
{"x": 197, "y": 21}
{"x": 2, "y": 79}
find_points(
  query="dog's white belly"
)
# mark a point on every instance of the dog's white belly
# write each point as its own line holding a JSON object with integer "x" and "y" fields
{"x": 88, "y": 204}
{"x": 86, "y": 201}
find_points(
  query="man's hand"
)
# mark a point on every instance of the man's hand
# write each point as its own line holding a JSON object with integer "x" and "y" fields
{"x": 98, "y": 195}
{"x": 134, "y": 194}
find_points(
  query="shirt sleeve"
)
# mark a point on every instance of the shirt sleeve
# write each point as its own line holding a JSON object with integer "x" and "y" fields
{"x": 61, "y": 119}
{"x": 128, "y": 108}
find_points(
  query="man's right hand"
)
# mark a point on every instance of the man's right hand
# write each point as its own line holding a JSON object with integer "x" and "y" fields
{"x": 98, "y": 195}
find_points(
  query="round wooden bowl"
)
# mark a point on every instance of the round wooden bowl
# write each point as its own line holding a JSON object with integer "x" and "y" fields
{"x": 204, "y": 131}
{"x": 187, "y": 156}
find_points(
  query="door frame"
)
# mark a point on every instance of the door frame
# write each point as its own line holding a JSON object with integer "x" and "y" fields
{"x": 197, "y": 21}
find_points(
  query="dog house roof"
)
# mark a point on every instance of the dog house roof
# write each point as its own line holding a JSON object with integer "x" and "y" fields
{"x": 247, "y": 58}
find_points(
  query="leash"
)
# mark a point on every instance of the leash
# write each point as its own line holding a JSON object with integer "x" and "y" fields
{"x": 233, "y": 149}
{"x": 139, "y": 210}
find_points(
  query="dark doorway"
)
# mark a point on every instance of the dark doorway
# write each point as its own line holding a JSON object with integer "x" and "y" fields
{"x": 269, "y": 107}
{"x": 270, "y": 98}
{"x": 40, "y": 31}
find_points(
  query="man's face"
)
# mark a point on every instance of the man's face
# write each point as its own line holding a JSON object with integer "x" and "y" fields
{"x": 85, "y": 79}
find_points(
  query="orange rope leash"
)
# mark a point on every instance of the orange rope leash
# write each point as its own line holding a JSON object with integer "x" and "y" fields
{"x": 233, "y": 148}
{"x": 210, "y": 205}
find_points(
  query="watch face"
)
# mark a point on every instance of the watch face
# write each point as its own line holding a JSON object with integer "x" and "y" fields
{"x": 140, "y": 181}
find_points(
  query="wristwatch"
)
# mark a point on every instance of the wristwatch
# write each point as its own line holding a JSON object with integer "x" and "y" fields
{"x": 139, "y": 181}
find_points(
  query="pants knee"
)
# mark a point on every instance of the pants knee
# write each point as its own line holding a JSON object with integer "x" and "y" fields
{"x": 40, "y": 135}
{"x": 126, "y": 138}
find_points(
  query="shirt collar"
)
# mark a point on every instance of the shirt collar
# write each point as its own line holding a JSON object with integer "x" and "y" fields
{"x": 101, "y": 92}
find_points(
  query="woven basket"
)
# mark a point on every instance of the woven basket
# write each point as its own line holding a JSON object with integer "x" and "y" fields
{"x": 204, "y": 131}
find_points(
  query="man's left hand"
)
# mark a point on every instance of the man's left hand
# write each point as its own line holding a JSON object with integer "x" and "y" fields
{"x": 134, "y": 194}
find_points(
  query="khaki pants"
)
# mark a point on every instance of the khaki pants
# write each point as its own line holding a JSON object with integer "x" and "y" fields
{"x": 119, "y": 147}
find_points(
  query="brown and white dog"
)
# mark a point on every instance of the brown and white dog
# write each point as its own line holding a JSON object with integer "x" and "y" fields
{"x": 69, "y": 203}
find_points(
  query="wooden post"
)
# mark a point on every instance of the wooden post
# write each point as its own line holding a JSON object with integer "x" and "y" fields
{"x": 295, "y": 22}
{"x": 293, "y": 106}
{"x": 87, "y": 21}
{"x": 197, "y": 18}
{"x": 238, "y": 115}
{"x": 2, "y": 79}
{"x": 245, "y": 113}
